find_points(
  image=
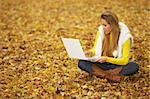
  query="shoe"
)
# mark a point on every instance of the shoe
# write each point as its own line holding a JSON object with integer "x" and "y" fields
{"x": 105, "y": 74}
{"x": 113, "y": 77}
{"x": 115, "y": 71}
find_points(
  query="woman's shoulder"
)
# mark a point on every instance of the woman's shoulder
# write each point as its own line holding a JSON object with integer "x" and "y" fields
{"x": 122, "y": 23}
{"x": 100, "y": 27}
{"x": 123, "y": 27}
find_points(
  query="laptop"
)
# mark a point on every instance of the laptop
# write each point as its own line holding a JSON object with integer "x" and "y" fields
{"x": 74, "y": 50}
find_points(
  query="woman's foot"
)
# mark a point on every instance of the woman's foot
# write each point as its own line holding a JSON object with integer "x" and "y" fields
{"x": 115, "y": 71}
{"x": 113, "y": 77}
{"x": 105, "y": 74}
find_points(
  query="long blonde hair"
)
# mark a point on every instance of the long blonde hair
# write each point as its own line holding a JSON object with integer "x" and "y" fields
{"x": 111, "y": 19}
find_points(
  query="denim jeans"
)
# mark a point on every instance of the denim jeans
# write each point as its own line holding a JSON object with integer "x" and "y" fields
{"x": 129, "y": 69}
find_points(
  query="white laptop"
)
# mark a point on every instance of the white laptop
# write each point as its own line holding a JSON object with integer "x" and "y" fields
{"x": 74, "y": 49}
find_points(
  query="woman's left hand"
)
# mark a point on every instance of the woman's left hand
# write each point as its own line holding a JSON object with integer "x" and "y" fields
{"x": 101, "y": 59}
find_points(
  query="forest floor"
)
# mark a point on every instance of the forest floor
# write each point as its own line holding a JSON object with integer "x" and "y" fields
{"x": 35, "y": 64}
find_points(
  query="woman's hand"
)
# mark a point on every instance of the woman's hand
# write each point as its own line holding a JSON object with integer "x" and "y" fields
{"x": 101, "y": 59}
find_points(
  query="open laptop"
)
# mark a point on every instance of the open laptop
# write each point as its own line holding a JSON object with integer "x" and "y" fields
{"x": 74, "y": 49}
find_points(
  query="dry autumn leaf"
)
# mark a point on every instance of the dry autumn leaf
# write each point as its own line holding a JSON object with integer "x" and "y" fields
{"x": 33, "y": 60}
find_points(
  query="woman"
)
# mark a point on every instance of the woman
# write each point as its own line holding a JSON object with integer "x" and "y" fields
{"x": 113, "y": 42}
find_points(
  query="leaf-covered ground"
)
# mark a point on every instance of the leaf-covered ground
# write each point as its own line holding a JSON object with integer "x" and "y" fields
{"x": 33, "y": 60}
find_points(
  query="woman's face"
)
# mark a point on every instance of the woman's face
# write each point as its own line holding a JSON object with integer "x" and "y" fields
{"x": 107, "y": 27}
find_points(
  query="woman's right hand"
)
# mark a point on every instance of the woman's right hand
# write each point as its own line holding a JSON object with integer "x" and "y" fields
{"x": 101, "y": 59}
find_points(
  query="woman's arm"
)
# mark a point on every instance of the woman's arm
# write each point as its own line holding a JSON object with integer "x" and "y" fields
{"x": 93, "y": 50}
{"x": 125, "y": 55}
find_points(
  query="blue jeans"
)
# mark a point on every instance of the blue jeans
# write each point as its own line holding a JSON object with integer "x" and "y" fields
{"x": 129, "y": 69}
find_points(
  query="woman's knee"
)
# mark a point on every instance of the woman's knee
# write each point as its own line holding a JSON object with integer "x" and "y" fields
{"x": 130, "y": 69}
{"x": 85, "y": 65}
{"x": 135, "y": 66}
{"x": 81, "y": 64}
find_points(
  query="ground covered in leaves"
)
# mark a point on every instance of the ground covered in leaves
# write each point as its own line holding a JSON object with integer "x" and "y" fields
{"x": 33, "y": 60}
